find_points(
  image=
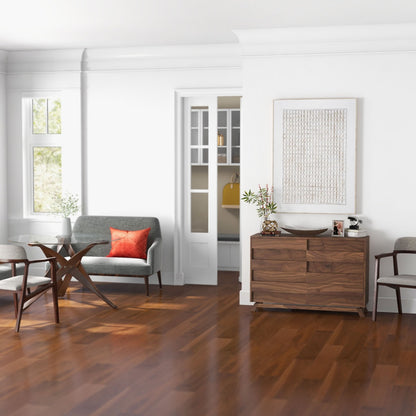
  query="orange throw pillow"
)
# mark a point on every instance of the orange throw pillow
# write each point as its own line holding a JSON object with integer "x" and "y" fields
{"x": 129, "y": 243}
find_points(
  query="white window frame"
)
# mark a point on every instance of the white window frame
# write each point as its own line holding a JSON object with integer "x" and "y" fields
{"x": 71, "y": 150}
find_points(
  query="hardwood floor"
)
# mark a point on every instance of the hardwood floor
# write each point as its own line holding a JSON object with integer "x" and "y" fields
{"x": 193, "y": 351}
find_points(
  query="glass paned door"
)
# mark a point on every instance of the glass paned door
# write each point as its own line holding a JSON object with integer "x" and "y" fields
{"x": 200, "y": 190}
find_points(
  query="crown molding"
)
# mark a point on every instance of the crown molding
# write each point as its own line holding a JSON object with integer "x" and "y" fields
{"x": 163, "y": 57}
{"x": 57, "y": 60}
{"x": 328, "y": 40}
{"x": 117, "y": 59}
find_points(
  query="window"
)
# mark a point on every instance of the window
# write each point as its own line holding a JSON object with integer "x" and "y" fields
{"x": 46, "y": 154}
{"x": 51, "y": 150}
{"x": 43, "y": 154}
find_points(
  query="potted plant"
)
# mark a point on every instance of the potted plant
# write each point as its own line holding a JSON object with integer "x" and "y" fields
{"x": 263, "y": 199}
{"x": 67, "y": 205}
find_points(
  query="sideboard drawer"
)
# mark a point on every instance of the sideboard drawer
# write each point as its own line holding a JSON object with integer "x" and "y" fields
{"x": 276, "y": 243}
{"x": 275, "y": 276}
{"x": 281, "y": 254}
{"x": 286, "y": 293}
{"x": 336, "y": 244}
{"x": 335, "y": 256}
{"x": 325, "y": 267}
{"x": 279, "y": 266}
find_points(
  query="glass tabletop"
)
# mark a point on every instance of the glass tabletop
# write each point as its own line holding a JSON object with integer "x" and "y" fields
{"x": 52, "y": 240}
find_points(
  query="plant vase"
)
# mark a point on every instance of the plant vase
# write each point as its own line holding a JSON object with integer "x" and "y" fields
{"x": 66, "y": 228}
{"x": 269, "y": 227}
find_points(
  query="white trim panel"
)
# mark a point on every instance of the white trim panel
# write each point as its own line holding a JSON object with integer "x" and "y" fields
{"x": 328, "y": 39}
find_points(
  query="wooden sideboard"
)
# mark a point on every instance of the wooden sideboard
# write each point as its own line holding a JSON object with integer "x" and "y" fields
{"x": 319, "y": 273}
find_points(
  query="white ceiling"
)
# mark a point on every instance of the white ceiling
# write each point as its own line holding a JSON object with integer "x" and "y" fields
{"x": 50, "y": 24}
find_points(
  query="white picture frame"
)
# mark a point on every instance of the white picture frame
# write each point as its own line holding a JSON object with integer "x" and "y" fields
{"x": 314, "y": 155}
{"x": 338, "y": 228}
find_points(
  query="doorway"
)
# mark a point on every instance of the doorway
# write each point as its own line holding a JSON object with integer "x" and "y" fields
{"x": 208, "y": 169}
{"x": 228, "y": 184}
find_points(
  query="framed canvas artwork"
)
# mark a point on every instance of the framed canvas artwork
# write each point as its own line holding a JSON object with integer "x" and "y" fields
{"x": 314, "y": 155}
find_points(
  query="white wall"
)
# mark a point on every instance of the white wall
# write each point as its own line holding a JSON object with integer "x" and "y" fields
{"x": 3, "y": 150}
{"x": 384, "y": 83}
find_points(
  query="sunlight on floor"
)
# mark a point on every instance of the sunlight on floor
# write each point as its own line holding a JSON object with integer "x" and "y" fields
{"x": 118, "y": 329}
{"x": 195, "y": 297}
{"x": 176, "y": 306}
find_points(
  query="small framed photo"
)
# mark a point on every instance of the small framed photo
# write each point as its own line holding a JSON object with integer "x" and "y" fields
{"x": 337, "y": 228}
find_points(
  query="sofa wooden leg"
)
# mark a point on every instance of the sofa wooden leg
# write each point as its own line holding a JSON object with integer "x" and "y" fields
{"x": 146, "y": 281}
{"x": 159, "y": 276}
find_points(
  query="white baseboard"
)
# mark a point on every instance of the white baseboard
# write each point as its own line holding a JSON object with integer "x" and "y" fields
{"x": 389, "y": 304}
{"x": 245, "y": 298}
{"x": 179, "y": 279}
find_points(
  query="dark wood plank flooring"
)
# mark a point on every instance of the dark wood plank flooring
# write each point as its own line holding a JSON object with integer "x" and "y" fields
{"x": 193, "y": 350}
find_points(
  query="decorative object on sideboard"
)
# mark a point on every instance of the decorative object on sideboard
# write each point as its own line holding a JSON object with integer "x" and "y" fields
{"x": 354, "y": 223}
{"x": 303, "y": 231}
{"x": 269, "y": 227}
{"x": 354, "y": 228}
{"x": 263, "y": 199}
{"x": 337, "y": 228}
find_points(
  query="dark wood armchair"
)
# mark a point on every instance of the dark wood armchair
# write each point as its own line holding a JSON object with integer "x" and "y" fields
{"x": 27, "y": 288}
{"x": 404, "y": 245}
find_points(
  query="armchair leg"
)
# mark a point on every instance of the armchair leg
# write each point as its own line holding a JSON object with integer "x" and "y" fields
{"x": 55, "y": 302}
{"x": 399, "y": 300}
{"x": 159, "y": 277}
{"x": 16, "y": 304}
{"x": 20, "y": 311}
{"x": 375, "y": 302}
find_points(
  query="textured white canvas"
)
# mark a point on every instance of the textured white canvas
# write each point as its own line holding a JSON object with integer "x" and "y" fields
{"x": 314, "y": 163}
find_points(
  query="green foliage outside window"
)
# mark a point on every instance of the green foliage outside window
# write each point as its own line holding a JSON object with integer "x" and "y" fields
{"x": 47, "y": 178}
{"x": 39, "y": 116}
{"x": 54, "y": 116}
{"x": 46, "y": 116}
{"x": 47, "y": 160}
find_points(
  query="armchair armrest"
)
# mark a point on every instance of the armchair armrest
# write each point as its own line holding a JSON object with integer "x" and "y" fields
{"x": 380, "y": 256}
{"x": 154, "y": 255}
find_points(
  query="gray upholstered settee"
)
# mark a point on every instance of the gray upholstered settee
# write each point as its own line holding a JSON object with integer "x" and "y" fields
{"x": 95, "y": 261}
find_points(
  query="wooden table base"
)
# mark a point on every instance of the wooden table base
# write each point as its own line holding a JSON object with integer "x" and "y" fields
{"x": 72, "y": 267}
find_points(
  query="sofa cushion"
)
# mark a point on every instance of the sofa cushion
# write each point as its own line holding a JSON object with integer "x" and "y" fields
{"x": 116, "y": 266}
{"x": 129, "y": 243}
